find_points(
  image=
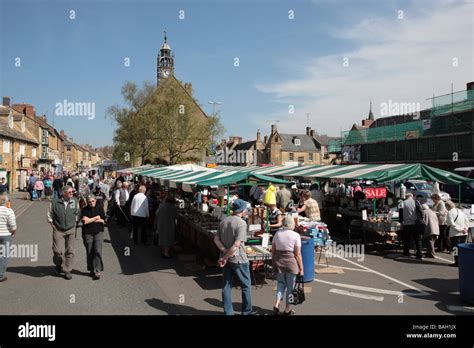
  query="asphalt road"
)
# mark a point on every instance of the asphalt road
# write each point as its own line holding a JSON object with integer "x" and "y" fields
{"x": 141, "y": 282}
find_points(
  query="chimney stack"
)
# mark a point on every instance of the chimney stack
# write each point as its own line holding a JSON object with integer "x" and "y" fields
{"x": 25, "y": 109}
{"x": 308, "y": 130}
{"x": 258, "y": 136}
{"x": 274, "y": 128}
{"x": 6, "y": 101}
{"x": 311, "y": 132}
{"x": 62, "y": 133}
{"x": 265, "y": 139}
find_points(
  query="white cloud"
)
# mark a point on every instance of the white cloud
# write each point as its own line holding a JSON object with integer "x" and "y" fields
{"x": 405, "y": 60}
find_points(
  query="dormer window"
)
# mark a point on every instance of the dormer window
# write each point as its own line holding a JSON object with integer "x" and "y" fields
{"x": 297, "y": 141}
{"x": 10, "y": 119}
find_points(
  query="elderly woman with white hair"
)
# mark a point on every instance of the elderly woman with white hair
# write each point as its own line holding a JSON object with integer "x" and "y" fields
{"x": 286, "y": 262}
{"x": 431, "y": 230}
{"x": 458, "y": 225}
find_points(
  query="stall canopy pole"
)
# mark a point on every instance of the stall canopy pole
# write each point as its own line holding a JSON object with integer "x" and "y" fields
{"x": 459, "y": 188}
{"x": 267, "y": 224}
{"x": 375, "y": 207}
{"x": 228, "y": 200}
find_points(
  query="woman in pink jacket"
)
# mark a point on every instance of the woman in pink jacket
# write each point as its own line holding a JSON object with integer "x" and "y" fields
{"x": 39, "y": 187}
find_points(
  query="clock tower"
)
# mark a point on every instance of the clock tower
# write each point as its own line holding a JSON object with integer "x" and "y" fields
{"x": 164, "y": 61}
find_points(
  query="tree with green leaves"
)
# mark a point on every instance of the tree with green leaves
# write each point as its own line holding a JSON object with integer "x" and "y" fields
{"x": 162, "y": 123}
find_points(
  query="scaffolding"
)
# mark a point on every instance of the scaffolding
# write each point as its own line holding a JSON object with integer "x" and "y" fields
{"x": 444, "y": 105}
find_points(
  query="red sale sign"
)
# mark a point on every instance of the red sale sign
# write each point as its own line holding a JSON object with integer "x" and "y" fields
{"x": 378, "y": 192}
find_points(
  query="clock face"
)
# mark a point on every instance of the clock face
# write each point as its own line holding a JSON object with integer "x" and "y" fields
{"x": 165, "y": 73}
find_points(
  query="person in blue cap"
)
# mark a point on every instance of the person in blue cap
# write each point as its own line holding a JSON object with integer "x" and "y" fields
{"x": 230, "y": 240}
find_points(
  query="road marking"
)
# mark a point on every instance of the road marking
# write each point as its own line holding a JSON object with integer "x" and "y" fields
{"x": 356, "y": 294}
{"x": 22, "y": 209}
{"x": 365, "y": 288}
{"x": 421, "y": 292}
{"x": 440, "y": 258}
{"x": 460, "y": 308}
{"x": 352, "y": 269}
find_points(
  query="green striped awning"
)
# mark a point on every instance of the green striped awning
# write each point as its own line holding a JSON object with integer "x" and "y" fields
{"x": 133, "y": 170}
{"x": 375, "y": 172}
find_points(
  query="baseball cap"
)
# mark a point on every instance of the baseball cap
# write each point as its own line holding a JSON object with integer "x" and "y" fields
{"x": 239, "y": 205}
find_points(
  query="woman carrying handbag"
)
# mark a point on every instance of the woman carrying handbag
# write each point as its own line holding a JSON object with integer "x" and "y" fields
{"x": 287, "y": 264}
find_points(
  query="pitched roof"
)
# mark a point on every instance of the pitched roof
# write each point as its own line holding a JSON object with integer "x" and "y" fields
{"x": 5, "y": 111}
{"x": 308, "y": 143}
{"x": 186, "y": 91}
{"x": 245, "y": 146}
{"x": 324, "y": 139}
{"x": 14, "y": 133}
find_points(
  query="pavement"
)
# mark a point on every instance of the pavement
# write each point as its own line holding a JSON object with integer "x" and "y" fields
{"x": 137, "y": 281}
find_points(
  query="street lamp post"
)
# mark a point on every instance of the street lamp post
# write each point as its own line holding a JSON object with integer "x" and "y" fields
{"x": 214, "y": 103}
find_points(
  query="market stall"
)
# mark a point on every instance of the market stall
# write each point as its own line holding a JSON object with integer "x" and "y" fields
{"x": 373, "y": 216}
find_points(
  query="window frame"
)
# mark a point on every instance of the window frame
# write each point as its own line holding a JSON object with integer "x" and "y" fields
{"x": 6, "y": 145}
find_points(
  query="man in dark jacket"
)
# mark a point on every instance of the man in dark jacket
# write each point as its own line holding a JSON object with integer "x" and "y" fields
{"x": 411, "y": 218}
{"x": 63, "y": 215}
{"x": 58, "y": 184}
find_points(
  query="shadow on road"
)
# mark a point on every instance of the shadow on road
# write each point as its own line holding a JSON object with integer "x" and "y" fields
{"x": 444, "y": 294}
{"x": 34, "y": 271}
{"x": 137, "y": 259}
{"x": 42, "y": 271}
{"x": 176, "y": 309}
{"x": 238, "y": 307}
{"x": 405, "y": 259}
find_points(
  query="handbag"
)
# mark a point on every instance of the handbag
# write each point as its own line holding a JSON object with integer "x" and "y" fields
{"x": 297, "y": 295}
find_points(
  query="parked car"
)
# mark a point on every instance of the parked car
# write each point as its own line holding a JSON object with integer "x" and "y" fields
{"x": 423, "y": 189}
{"x": 467, "y": 191}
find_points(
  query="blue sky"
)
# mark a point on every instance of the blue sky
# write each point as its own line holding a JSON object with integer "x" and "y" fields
{"x": 282, "y": 61}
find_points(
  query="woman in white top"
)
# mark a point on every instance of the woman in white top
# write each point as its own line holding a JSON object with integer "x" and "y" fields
{"x": 286, "y": 262}
{"x": 439, "y": 208}
{"x": 458, "y": 225}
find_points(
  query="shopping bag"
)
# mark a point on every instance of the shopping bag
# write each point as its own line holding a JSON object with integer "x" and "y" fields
{"x": 34, "y": 195}
{"x": 297, "y": 295}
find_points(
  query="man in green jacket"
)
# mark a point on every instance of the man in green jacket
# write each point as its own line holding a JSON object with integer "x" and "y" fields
{"x": 63, "y": 216}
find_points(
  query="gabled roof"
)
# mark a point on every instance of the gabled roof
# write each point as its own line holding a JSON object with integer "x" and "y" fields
{"x": 308, "y": 143}
{"x": 14, "y": 133}
{"x": 187, "y": 93}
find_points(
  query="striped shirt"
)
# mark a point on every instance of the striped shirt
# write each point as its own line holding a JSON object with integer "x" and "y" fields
{"x": 7, "y": 221}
